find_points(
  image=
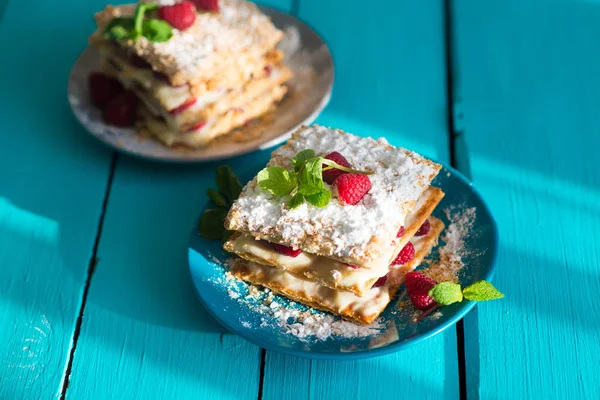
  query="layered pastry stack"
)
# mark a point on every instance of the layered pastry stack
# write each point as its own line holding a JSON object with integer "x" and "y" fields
{"x": 347, "y": 257}
{"x": 214, "y": 71}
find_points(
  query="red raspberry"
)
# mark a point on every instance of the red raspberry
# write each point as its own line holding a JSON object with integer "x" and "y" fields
{"x": 179, "y": 109}
{"x": 422, "y": 301}
{"x": 406, "y": 254}
{"x": 418, "y": 287}
{"x": 103, "y": 88}
{"x": 352, "y": 266}
{"x": 400, "y": 232}
{"x": 197, "y": 126}
{"x": 330, "y": 175}
{"x": 208, "y": 5}
{"x": 424, "y": 229}
{"x": 285, "y": 250}
{"x": 180, "y": 15}
{"x": 352, "y": 188}
{"x": 380, "y": 282}
{"x": 121, "y": 110}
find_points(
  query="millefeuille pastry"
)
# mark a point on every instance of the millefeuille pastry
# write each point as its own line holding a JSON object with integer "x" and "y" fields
{"x": 327, "y": 271}
{"x": 346, "y": 251}
{"x": 360, "y": 309}
{"x": 212, "y": 69}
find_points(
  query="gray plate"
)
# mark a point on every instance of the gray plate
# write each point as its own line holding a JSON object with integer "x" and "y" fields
{"x": 310, "y": 89}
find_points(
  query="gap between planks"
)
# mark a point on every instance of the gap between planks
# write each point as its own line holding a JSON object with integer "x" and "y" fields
{"x": 453, "y": 135}
{"x": 91, "y": 268}
{"x": 294, "y": 10}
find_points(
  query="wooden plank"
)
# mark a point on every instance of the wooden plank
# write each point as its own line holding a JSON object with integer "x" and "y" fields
{"x": 52, "y": 184}
{"x": 144, "y": 333}
{"x": 390, "y": 81}
{"x": 528, "y": 94}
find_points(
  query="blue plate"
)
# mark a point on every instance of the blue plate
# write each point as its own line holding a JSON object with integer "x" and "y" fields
{"x": 400, "y": 331}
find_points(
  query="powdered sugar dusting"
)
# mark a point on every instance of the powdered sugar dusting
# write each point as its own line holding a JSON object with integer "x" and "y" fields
{"x": 451, "y": 253}
{"x": 304, "y": 323}
{"x": 336, "y": 230}
{"x": 239, "y": 27}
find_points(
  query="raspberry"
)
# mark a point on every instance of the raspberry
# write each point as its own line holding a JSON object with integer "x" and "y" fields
{"x": 179, "y": 109}
{"x": 352, "y": 266}
{"x": 208, "y": 5}
{"x": 400, "y": 232}
{"x": 406, "y": 254}
{"x": 180, "y": 15}
{"x": 380, "y": 282}
{"x": 121, "y": 110}
{"x": 418, "y": 287}
{"x": 352, "y": 188}
{"x": 199, "y": 125}
{"x": 422, "y": 301}
{"x": 424, "y": 229}
{"x": 285, "y": 250}
{"x": 103, "y": 88}
{"x": 330, "y": 175}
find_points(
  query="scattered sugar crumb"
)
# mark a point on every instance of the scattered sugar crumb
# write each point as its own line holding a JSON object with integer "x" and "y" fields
{"x": 450, "y": 262}
{"x": 436, "y": 315}
{"x": 337, "y": 275}
{"x": 303, "y": 324}
{"x": 292, "y": 318}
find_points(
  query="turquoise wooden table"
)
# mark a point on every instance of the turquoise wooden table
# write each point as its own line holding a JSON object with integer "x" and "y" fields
{"x": 95, "y": 299}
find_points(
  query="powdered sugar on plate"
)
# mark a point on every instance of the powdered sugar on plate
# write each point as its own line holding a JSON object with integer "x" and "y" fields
{"x": 302, "y": 322}
{"x": 450, "y": 262}
{"x": 305, "y": 324}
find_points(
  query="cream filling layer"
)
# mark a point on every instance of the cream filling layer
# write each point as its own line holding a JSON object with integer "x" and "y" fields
{"x": 365, "y": 307}
{"x": 327, "y": 271}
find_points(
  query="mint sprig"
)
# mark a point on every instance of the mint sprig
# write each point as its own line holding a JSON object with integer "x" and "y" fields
{"x": 119, "y": 29}
{"x": 305, "y": 182}
{"x": 446, "y": 293}
{"x": 482, "y": 291}
{"x": 213, "y": 220}
{"x": 125, "y": 28}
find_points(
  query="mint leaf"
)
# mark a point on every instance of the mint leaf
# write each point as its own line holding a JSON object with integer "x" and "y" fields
{"x": 301, "y": 157}
{"x": 482, "y": 291}
{"x": 228, "y": 183}
{"x": 211, "y": 224}
{"x": 157, "y": 30}
{"x": 138, "y": 18}
{"x": 277, "y": 180}
{"x": 234, "y": 185}
{"x": 319, "y": 199}
{"x": 216, "y": 198}
{"x": 226, "y": 235}
{"x": 311, "y": 175}
{"x": 446, "y": 293}
{"x": 119, "y": 29}
{"x": 308, "y": 190}
{"x": 296, "y": 201}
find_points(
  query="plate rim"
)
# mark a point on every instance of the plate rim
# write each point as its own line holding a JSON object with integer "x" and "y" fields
{"x": 462, "y": 309}
{"x": 212, "y": 158}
